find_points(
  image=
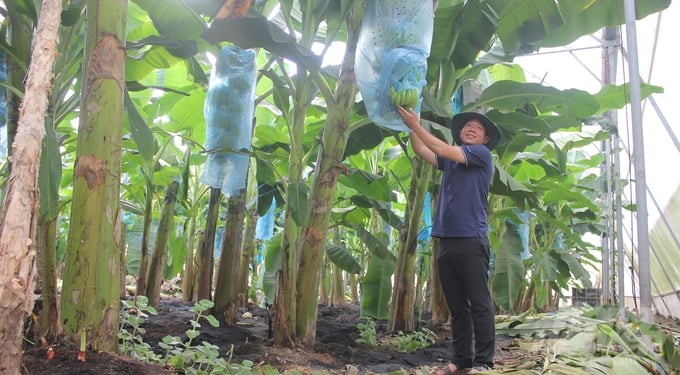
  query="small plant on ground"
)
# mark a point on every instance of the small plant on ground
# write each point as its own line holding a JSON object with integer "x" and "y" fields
{"x": 405, "y": 342}
{"x": 130, "y": 334}
{"x": 368, "y": 333}
{"x": 184, "y": 355}
{"x": 415, "y": 340}
{"x": 205, "y": 357}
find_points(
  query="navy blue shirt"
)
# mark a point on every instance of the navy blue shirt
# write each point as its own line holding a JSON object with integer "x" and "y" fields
{"x": 462, "y": 205}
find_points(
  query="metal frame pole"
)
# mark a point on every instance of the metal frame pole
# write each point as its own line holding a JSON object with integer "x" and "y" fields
{"x": 639, "y": 163}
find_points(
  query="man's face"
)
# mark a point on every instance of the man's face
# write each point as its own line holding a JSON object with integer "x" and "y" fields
{"x": 473, "y": 133}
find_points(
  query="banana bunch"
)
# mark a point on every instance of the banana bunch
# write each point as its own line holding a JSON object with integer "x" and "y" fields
{"x": 407, "y": 98}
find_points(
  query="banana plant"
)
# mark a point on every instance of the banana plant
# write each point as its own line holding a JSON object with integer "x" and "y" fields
{"x": 63, "y": 105}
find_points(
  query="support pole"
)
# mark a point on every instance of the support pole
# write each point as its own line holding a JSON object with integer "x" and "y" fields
{"x": 616, "y": 258}
{"x": 610, "y": 47}
{"x": 639, "y": 163}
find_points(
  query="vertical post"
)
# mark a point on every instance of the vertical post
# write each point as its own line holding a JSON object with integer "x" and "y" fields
{"x": 620, "y": 256}
{"x": 609, "y": 64}
{"x": 639, "y": 163}
{"x": 608, "y": 233}
{"x": 616, "y": 258}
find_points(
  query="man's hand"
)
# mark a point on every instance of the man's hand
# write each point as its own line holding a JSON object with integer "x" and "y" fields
{"x": 409, "y": 116}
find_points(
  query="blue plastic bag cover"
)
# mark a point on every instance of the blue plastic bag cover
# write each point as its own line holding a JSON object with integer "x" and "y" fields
{"x": 229, "y": 109}
{"x": 522, "y": 230}
{"x": 217, "y": 245}
{"x": 393, "y": 47}
{"x": 458, "y": 102}
{"x": 264, "y": 229}
{"x": 426, "y": 231}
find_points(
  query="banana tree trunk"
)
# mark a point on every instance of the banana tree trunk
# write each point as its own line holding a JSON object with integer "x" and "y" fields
{"x": 206, "y": 260}
{"x": 337, "y": 289}
{"x": 123, "y": 264}
{"x": 197, "y": 266}
{"x": 440, "y": 311}
{"x": 325, "y": 293}
{"x": 336, "y": 132}
{"x": 160, "y": 249}
{"x": 46, "y": 241}
{"x": 422, "y": 278}
{"x": 143, "y": 274}
{"x": 526, "y": 297}
{"x": 189, "y": 228}
{"x": 248, "y": 249}
{"x": 90, "y": 296}
{"x": 403, "y": 294}
{"x": 19, "y": 220}
{"x": 188, "y": 275}
{"x": 226, "y": 291}
{"x": 354, "y": 288}
{"x": 284, "y": 307}
{"x": 284, "y": 304}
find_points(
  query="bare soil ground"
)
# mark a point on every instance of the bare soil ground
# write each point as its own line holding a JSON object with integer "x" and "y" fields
{"x": 336, "y": 350}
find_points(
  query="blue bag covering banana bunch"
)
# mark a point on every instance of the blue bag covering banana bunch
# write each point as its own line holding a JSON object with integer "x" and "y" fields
{"x": 391, "y": 60}
{"x": 405, "y": 98}
{"x": 229, "y": 109}
{"x": 404, "y": 72}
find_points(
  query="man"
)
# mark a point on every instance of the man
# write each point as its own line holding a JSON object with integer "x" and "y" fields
{"x": 460, "y": 223}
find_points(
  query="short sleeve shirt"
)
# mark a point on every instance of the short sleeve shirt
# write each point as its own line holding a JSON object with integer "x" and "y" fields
{"x": 463, "y": 195}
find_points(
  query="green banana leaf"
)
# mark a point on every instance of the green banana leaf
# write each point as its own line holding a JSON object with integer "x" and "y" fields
{"x": 376, "y": 288}
{"x": 509, "y": 272}
{"x": 341, "y": 257}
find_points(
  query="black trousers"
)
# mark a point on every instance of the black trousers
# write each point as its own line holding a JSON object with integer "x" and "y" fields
{"x": 464, "y": 275}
